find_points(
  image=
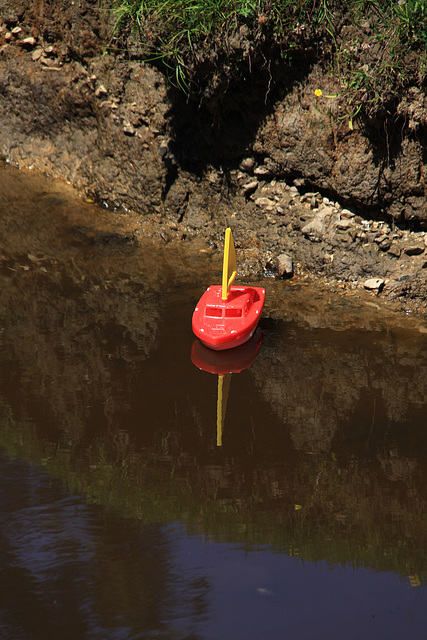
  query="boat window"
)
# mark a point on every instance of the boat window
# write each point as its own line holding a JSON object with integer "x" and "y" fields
{"x": 213, "y": 312}
{"x": 233, "y": 313}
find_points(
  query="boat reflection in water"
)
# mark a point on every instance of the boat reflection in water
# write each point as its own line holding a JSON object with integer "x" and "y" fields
{"x": 223, "y": 364}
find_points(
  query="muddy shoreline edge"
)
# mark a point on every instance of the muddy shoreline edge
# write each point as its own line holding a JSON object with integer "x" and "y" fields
{"x": 112, "y": 128}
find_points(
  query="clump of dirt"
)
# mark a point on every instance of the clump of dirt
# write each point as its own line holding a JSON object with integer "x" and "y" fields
{"x": 272, "y": 154}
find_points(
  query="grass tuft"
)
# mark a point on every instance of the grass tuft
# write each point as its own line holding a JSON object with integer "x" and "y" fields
{"x": 376, "y": 48}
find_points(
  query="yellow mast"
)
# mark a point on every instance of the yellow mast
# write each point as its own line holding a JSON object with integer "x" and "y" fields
{"x": 229, "y": 267}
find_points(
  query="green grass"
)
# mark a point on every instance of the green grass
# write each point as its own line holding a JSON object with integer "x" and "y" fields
{"x": 370, "y": 63}
{"x": 367, "y": 43}
{"x": 179, "y": 32}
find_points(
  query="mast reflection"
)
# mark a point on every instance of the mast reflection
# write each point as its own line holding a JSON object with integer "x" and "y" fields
{"x": 223, "y": 364}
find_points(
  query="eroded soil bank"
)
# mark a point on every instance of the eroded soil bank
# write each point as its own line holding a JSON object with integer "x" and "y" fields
{"x": 302, "y": 194}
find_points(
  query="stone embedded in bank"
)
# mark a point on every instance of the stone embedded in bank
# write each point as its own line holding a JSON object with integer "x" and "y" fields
{"x": 346, "y": 213}
{"x": 284, "y": 266}
{"x": 414, "y": 249}
{"x": 395, "y": 250}
{"x": 265, "y": 203}
{"x": 344, "y": 225}
{"x": 28, "y": 42}
{"x": 101, "y": 91}
{"x": 37, "y": 54}
{"x": 383, "y": 241}
{"x": 293, "y": 192}
{"x": 247, "y": 165}
{"x": 315, "y": 229}
{"x": 374, "y": 284}
{"x": 128, "y": 128}
{"x": 250, "y": 187}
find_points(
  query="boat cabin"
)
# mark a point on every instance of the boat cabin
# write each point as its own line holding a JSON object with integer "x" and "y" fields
{"x": 237, "y": 305}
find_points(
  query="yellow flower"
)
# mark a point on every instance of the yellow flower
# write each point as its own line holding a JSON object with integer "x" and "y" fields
{"x": 318, "y": 93}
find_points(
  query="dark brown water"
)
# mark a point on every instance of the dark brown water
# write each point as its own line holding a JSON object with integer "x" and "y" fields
{"x": 122, "y": 518}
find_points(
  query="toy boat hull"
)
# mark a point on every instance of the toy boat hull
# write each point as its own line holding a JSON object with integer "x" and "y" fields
{"x": 225, "y": 324}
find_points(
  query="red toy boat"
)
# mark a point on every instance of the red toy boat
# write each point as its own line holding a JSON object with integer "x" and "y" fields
{"x": 226, "y": 316}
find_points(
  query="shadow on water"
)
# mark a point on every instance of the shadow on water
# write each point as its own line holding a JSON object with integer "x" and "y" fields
{"x": 322, "y": 451}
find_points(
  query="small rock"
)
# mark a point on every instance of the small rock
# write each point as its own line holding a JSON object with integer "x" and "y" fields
{"x": 128, "y": 129}
{"x": 394, "y": 250}
{"x": 313, "y": 198}
{"x": 101, "y": 91}
{"x": 345, "y": 213}
{"x": 385, "y": 244}
{"x": 16, "y": 30}
{"x": 299, "y": 182}
{"x": 247, "y": 165}
{"x": 316, "y": 201}
{"x": 380, "y": 238}
{"x": 284, "y": 266}
{"x": 37, "y": 54}
{"x": 344, "y": 224}
{"x": 306, "y": 197}
{"x": 28, "y": 43}
{"x": 262, "y": 172}
{"x": 383, "y": 241}
{"x": 327, "y": 211}
{"x": 315, "y": 229}
{"x": 250, "y": 187}
{"x": 47, "y": 62}
{"x": 163, "y": 148}
{"x": 293, "y": 192}
{"x": 374, "y": 284}
{"x": 265, "y": 203}
{"x": 414, "y": 249}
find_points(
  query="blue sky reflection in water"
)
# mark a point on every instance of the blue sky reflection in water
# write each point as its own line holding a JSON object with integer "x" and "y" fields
{"x": 260, "y": 594}
{"x": 69, "y": 570}
{"x": 121, "y": 518}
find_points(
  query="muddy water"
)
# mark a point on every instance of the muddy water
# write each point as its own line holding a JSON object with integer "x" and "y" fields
{"x": 135, "y": 505}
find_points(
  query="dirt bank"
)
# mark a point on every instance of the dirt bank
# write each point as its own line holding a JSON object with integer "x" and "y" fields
{"x": 302, "y": 192}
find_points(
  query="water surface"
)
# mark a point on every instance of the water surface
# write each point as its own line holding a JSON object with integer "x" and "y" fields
{"x": 121, "y": 515}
